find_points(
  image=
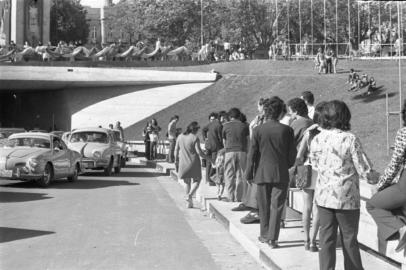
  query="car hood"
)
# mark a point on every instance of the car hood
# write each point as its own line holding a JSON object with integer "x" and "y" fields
{"x": 87, "y": 149}
{"x": 22, "y": 152}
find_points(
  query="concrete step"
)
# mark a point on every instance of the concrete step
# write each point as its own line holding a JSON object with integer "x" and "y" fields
{"x": 291, "y": 254}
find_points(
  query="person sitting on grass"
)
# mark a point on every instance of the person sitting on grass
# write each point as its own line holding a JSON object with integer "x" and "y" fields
{"x": 363, "y": 81}
{"x": 353, "y": 79}
{"x": 371, "y": 86}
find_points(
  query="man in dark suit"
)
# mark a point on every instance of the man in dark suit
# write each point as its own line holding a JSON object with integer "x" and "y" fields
{"x": 273, "y": 149}
{"x": 213, "y": 142}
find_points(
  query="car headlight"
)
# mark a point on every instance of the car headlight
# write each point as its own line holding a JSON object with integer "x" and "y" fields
{"x": 97, "y": 154}
{"x": 32, "y": 162}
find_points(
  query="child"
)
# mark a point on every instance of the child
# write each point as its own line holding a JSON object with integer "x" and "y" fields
{"x": 218, "y": 177}
{"x": 353, "y": 79}
{"x": 363, "y": 81}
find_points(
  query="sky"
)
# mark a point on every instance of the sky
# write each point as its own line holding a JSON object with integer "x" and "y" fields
{"x": 94, "y": 3}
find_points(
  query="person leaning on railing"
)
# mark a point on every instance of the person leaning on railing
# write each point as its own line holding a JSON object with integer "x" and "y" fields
{"x": 388, "y": 205}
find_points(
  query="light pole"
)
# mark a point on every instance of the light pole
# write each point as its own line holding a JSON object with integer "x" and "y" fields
{"x": 201, "y": 22}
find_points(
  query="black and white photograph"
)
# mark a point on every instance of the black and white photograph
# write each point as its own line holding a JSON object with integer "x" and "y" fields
{"x": 202, "y": 135}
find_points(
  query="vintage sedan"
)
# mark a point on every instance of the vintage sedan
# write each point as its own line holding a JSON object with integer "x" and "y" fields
{"x": 98, "y": 148}
{"x": 38, "y": 156}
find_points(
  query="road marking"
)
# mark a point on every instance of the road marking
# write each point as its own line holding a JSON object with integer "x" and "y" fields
{"x": 136, "y": 236}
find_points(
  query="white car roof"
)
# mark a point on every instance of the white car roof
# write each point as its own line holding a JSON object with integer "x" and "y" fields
{"x": 92, "y": 129}
{"x": 32, "y": 135}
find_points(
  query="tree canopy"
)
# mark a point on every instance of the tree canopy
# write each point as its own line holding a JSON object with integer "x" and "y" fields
{"x": 68, "y": 21}
{"x": 257, "y": 23}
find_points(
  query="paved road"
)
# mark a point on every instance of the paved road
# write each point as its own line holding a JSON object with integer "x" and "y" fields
{"x": 135, "y": 220}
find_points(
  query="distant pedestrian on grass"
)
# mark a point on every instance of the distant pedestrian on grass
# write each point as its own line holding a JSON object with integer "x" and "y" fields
{"x": 337, "y": 156}
{"x": 272, "y": 153}
{"x": 172, "y": 138}
{"x": 235, "y": 139}
{"x": 388, "y": 206}
{"x": 212, "y": 136}
{"x": 187, "y": 152}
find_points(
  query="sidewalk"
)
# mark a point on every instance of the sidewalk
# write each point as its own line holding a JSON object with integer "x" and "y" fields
{"x": 291, "y": 254}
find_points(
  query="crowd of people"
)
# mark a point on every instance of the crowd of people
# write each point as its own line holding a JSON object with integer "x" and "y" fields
{"x": 296, "y": 144}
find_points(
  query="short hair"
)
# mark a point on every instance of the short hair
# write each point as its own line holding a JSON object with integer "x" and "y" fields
{"x": 298, "y": 106}
{"x": 261, "y": 101}
{"x": 192, "y": 128}
{"x": 317, "y": 111}
{"x": 234, "y": 113}
{"x": 403, "y": 112}
{"x": 223, "y": 114}
{"x": 308, "y": 97}
{"x": 335, "y": 114}
{"x": 273, "y": 107}
{"x": 213, "y": 114}
{"x": 174, "y": 117}
{"x": 243, "y": 118}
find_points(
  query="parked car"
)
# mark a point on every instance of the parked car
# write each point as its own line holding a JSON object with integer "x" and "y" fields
{"x": 38, "y": 156}
{"x": 5, "y": 132}
{"x": 122, "y": 144}
{"x": 98, "y": 148}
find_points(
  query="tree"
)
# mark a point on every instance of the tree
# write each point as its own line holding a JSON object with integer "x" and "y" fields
{"x": 68, "y": 21}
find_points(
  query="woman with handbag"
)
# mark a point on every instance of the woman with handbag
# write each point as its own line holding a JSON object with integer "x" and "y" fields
{"x": 306, "y": 180}
{"x": 388, "y": 205}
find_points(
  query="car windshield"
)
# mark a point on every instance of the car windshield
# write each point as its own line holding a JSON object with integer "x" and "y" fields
{"x": 89, "y": 136}
{"x": 28, "y": 142}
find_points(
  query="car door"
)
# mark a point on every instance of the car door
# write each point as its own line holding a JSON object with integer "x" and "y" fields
{"x": 60, "y": 158}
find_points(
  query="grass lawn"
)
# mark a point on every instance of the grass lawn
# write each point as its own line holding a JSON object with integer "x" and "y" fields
{"x": 243, "y": 83}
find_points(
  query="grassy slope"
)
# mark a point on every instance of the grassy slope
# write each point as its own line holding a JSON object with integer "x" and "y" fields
{"x": 243, "y": 83}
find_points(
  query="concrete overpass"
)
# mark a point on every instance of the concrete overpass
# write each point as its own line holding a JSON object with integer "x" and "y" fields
{"x": 43, "y": 97}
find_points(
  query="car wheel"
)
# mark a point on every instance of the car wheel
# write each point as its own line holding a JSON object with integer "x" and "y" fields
{"x": 109, "y": 169}
{"x": 48, "y": 176}
{"x": 75, "y": 174}
{"x": 119, "y": 162}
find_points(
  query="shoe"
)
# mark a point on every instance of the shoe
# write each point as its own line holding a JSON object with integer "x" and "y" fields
{"x": 273, "y": 244}
{"x": 313, "y": 247}
{"x": 263, "y": 239}
{"x": 250, "y": 218}
{"x": 241, "y": 207}
{"x": 402, "y": 239}
{"x": 307, "y": 245}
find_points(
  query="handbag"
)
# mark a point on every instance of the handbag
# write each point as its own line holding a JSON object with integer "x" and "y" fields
{"x": 303, "y": 177}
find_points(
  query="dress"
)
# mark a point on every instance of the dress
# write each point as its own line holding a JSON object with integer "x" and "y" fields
{"x": 188, "y": 157}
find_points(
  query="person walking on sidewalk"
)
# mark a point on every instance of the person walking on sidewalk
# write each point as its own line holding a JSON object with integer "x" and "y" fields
{"x": 337, "y": 156}
{"x": 147, "y": 141}
{"x": 172, "y": 138}
{"x": 154, "y": 138}
{"x": 187, "y": 152}
{"x": 388, "y": 205}
{"x": 213, "y": 143}
{"x": 235, "y": 136}
{"x": 272, "y": 153}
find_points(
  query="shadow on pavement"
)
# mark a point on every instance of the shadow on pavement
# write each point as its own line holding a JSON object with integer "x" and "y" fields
{"x": 9, "y": 197}
{"x": 90, "y": 184}
{"x": 79, "y": 184}
{"x": 123, "y": 174}
{"x": 11, "y": 234}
